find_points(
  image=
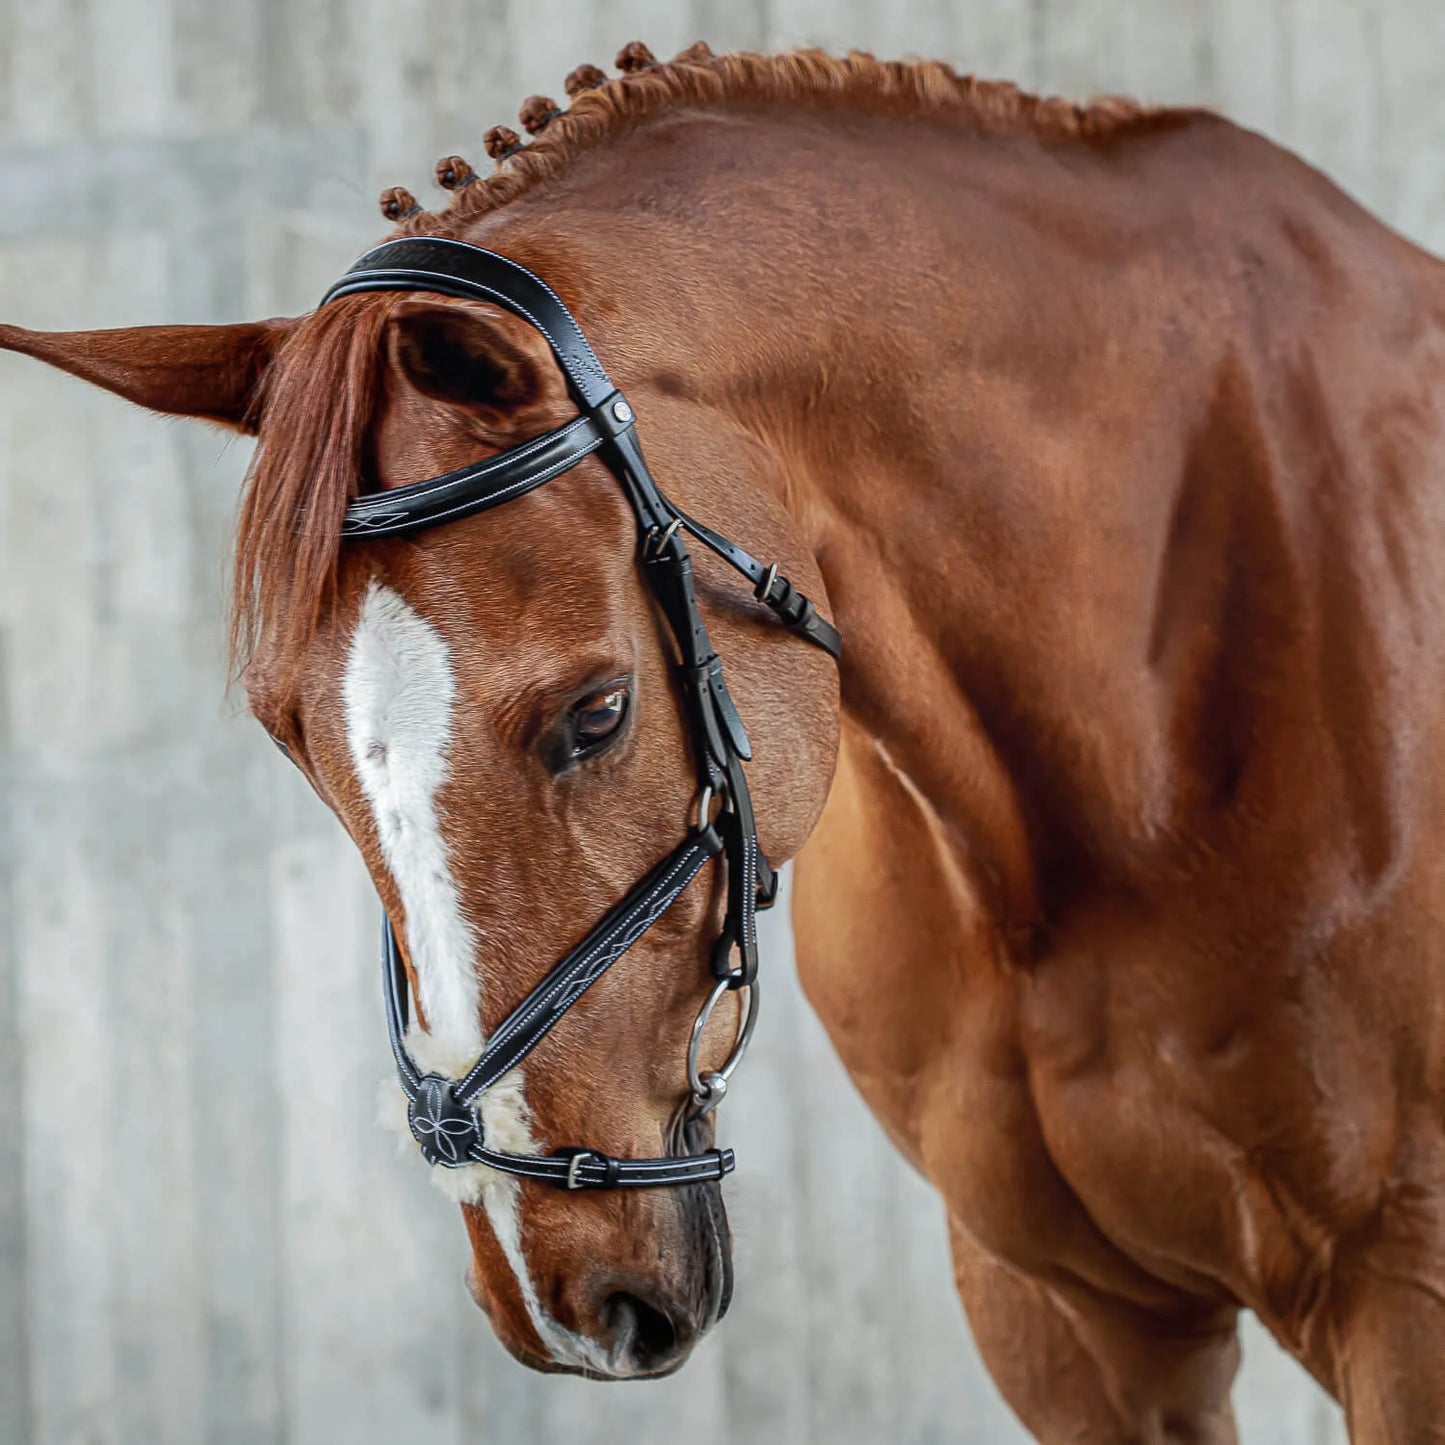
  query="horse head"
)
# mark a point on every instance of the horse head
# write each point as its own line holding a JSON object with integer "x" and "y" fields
{"x": 500, "y": 711}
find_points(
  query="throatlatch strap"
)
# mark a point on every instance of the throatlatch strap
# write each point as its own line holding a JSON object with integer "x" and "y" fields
{"x": 771, "y": 587}
{"x": 454, "y": 268}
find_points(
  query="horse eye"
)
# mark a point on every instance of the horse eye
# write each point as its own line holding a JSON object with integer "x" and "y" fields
{"x": 597, "y": 718}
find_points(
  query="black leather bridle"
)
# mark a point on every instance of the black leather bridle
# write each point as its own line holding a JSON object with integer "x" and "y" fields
{"x": 442, "y": 1111}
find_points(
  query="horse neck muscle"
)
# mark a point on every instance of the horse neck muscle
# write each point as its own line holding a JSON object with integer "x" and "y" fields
{"x": 979, "y": 364}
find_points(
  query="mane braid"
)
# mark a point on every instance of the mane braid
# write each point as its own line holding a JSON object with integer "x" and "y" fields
{"x": 804, "y": 78}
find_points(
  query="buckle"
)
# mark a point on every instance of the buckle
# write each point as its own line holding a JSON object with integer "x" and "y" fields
{"x": 611, "y": 1169}
{"x": 793, "y": 609}
{"x": 574, "y": 1179}
{"x": 657, "y": 538}
{"x": 704, "y": 830}
{"x": 702, "y": 807}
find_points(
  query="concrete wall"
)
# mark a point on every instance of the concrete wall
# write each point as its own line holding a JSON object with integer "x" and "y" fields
{"x": 202, "y": 1237}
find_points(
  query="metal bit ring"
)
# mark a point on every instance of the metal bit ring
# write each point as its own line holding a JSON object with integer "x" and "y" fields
{"x": 708, "y": 1089}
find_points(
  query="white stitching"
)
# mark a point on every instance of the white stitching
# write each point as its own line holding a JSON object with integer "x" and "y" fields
{"x": 660, "y": 899}
{"x": 503, "y": 494}
{"x": 507, "y": 303}
{"x": 509, "y": 1027}
{"x": 379, "y": 501}
{"x": 396, "y": 522}
{"x": 506, "y": 260}
{"x": 715, "y": 1164}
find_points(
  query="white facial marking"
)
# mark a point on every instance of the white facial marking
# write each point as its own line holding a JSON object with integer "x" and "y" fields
{"x": 398, "y": 693}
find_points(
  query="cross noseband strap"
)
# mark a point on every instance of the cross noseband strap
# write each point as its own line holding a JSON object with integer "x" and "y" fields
{"x": 443, "y": 1112}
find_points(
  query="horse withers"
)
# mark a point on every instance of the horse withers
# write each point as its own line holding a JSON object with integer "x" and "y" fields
{"x": 1111, "y": 439}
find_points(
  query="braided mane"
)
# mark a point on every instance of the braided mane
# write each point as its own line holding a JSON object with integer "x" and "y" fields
{"x": 602, "y": 108}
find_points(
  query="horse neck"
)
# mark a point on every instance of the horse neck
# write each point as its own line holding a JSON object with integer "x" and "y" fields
{"x": 894, "y": 314}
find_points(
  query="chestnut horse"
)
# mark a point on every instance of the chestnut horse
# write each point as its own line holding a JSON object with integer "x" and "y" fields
{"x": 1112, "y": 440}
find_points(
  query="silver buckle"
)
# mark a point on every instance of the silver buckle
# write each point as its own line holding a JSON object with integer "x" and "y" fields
{"x": 766, "y": 585}
{"x": 656, "y": 540}
{"x": 573, "y": 1179}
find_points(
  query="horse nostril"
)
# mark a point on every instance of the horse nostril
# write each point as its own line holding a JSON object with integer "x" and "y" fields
{"x": 643, "y": 1336}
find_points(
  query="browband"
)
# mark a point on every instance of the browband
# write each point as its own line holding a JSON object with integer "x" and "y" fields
{"x": 474, "y": 488}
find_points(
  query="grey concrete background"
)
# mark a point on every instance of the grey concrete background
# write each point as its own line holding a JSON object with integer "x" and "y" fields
{"x": 202, "y": 1236}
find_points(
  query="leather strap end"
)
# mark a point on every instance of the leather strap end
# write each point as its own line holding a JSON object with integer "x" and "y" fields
{"x": 798, "y": 614}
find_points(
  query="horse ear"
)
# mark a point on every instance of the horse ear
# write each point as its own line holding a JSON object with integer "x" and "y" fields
{"x": 464, "y": 355}
{"x": 210, "y": 372}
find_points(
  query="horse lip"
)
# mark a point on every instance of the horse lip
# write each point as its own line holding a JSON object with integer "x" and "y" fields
{"x": 719, "y": 1276}
{"x": 689, "y": 1137}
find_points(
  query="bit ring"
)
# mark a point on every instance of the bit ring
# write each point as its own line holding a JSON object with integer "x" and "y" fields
{"x": 708, "y": 1089}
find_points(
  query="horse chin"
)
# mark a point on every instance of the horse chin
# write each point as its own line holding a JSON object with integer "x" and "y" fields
{"x": 540, "y": 1363}
{"x": 544, "y": 1365}
{"x": 710, "y": 1238}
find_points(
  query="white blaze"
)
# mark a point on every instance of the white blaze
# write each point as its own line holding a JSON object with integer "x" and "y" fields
{"x": 398, "y": 693}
